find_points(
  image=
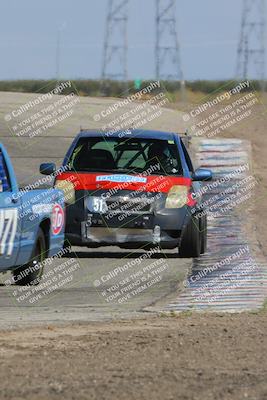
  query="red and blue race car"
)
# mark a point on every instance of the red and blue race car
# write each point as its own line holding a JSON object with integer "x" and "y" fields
{"x": 132, "y": 190}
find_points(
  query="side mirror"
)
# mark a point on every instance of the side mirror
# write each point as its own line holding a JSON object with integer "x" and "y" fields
{"x": 202, "y": 174}
{"x": 47, "y": 168}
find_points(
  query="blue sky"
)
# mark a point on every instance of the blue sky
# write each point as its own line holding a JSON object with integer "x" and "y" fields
{"x": 208, "y": 33}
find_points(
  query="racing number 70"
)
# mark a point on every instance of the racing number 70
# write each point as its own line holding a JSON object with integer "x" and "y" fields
{"x": 8, "y": 229}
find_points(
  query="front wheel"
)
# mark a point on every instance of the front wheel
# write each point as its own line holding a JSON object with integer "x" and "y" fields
{"x": 190, "y": 245}
{"x": 31, "y": 273}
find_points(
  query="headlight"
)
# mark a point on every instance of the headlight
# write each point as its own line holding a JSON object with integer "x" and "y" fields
{"x": 68, "y": 189}
{"x": 177, "y": 197}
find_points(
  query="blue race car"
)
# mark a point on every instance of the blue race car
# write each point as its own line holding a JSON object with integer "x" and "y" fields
{"x": 31, "y": 225}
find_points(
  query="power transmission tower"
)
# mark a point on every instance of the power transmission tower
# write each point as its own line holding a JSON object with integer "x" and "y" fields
{"x": 168, "y": 62}
{"x": 116, "y": 43}
{"x": 251, "y": 48}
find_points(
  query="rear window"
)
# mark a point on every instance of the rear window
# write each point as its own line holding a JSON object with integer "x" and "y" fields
{"x": 4, "y": 178}
{"x": 96, "y": 154}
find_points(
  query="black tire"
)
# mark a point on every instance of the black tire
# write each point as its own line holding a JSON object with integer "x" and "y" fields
{"x": 38, "y": 256}
{"x": 203, "y": 234}
{"x": 67, "y": 245}
{"x": 190, "y": 241}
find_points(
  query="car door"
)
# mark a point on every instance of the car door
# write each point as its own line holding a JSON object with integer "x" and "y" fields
{"x": 9, "y": 215}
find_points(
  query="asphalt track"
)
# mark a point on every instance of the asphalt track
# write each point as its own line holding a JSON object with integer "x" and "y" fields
{"x": 80, "y": 297}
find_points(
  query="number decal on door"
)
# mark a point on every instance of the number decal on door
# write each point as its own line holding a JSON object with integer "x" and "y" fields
{"x": 8, "y": 229}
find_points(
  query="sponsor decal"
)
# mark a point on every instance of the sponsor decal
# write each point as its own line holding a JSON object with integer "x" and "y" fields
{"x": 8, "y": 229}
{"x": 57, "y": 219}
{"x": 121, "y": 178}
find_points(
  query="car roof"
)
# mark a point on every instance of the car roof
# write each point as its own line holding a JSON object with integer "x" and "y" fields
{"x": 143, "y": 134}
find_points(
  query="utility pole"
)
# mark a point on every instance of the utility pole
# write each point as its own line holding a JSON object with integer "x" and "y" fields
{"x": 251, "y": 48}
{"x": 115, "y": 63}
{"x": 167, "y": 50}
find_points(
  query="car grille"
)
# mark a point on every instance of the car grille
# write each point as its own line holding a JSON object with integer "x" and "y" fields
{"x": 126, "y": 204}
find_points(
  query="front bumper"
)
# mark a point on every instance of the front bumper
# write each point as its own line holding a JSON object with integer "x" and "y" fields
{"x": 125, "y": 238}
{"x": 154, "y": 226}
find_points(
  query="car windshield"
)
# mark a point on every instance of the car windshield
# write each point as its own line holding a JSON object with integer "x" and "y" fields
{"x": 137, "y": 155}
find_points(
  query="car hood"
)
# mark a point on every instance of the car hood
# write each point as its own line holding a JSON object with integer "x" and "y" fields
{"x": 107, "y": 181}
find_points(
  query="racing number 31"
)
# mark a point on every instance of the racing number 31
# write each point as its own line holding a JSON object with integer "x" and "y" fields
{"x": 8, "y": 229}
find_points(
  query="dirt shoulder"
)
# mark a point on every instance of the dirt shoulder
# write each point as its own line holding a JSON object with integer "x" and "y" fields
{"x": 182, "y": 357}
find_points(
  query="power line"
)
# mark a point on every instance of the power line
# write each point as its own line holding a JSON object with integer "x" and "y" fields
{"x": 167, "y": 49}
{"x": 115, "y": 63}
{"x": 251, "y": 49}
